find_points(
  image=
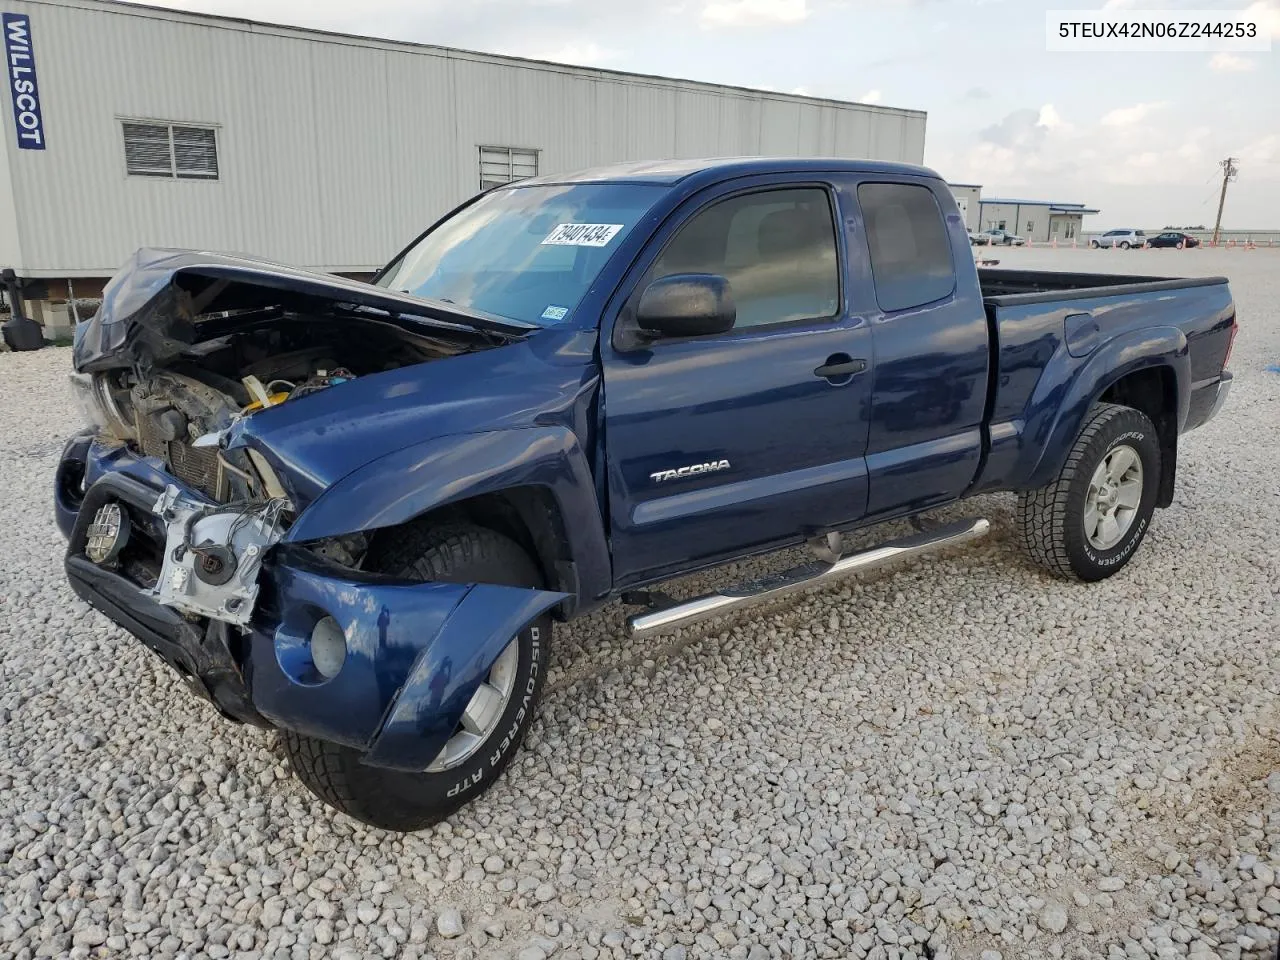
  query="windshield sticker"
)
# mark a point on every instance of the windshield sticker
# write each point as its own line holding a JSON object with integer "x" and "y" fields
{"x": 583, "y": 234}
{"x": 555, "y": 313}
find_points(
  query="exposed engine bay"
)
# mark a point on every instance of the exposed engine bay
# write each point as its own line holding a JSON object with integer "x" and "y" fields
{"x": 213, "y": 552}
{"x": 175, "y": 413}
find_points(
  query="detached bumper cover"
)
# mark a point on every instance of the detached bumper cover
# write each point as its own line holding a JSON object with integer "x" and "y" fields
{"x": 415, "y": 652}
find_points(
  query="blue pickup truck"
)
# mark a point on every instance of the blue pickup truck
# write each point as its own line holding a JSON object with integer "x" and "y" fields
{"x": 353, "y": 511}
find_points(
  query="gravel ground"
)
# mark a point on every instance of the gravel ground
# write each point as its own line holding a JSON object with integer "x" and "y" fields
{"x": 961, "y": 757}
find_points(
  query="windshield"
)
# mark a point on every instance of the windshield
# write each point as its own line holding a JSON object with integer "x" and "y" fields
{"x": 527, "y": 253}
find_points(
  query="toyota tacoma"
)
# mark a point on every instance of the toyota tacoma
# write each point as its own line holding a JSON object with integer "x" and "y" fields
{"x": 352, "y": 512}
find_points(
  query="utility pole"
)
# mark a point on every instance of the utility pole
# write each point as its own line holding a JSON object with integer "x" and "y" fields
{"x": 1229, "y": 172}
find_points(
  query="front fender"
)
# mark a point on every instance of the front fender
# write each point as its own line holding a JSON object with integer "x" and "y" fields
{"x": 407, "y": 483}
{"x": 1065, "y": 393}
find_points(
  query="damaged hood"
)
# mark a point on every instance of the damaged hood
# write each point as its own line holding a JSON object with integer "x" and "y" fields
{"x": 151, "y": 308}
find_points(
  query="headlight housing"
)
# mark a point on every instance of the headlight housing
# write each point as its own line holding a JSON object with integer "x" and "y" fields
{"x": 98, "y": 407}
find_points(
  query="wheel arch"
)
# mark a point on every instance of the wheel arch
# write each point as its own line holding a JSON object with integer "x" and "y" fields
{"x": 1150, "y": 369}
{"x": 1154, "y": 392}
{"x": 529, "y": 515}
{"x": 533, "y": 485}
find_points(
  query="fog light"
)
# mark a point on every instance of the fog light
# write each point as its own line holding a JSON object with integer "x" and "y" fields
{"x": 107, "y": 534}
{"x": 328, "y": 647}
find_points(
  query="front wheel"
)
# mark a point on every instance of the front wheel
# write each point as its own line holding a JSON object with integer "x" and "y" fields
{"x": 1088, "y": 523}
{"x": 495, "y": 720}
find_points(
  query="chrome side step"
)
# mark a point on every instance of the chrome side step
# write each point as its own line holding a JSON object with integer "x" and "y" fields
{"x": 802, "y": 578}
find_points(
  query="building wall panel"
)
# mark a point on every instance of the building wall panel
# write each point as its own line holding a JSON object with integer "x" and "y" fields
{"x": 335, "y": 151}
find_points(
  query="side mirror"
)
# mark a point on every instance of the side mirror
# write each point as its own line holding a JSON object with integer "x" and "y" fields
{"x": 686, "y": 305}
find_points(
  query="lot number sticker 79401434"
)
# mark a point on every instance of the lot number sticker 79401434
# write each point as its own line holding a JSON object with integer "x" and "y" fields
{"x": 583, "y": 234}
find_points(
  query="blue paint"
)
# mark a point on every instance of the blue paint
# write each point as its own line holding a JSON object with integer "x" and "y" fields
{"x": 1273, "y": 368}
{"x": 968, "y": 393}
{"x": 415, "y": 654}
{"x": 24, "y": 91}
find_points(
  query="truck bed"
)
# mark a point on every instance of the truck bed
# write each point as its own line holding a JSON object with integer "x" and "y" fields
{"x": 1007, "y": 288}
{"x": 1051, "y": 329}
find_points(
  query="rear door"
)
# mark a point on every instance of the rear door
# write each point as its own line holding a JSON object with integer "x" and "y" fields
{"x": 929, "y": 326}
{"x": 726, "y": 444}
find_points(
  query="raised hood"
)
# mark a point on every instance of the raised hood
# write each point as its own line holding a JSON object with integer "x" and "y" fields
{"x": 163, "y": 301}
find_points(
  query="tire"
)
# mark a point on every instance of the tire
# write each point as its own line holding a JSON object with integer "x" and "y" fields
{"x": 1052, "y": 520}
{"x": 1095, "y": 244}
{"x": 395, "y": 800}
{"x": 1124, "y": 244}
{"x": 1182, "y": 244}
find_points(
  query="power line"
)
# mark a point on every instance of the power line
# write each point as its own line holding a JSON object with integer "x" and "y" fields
{"x": 1229, "y": 172}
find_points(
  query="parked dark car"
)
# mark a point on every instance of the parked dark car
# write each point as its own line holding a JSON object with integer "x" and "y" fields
{"x": 351, "y": 512}
{"x": 1172, "y": 238}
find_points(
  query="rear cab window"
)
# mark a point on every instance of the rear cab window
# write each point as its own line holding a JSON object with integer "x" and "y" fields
{"x": 907, "y": 238}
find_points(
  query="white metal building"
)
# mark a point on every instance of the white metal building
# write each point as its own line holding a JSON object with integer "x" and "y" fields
{"x": 142, "y": 126}
{"x": 1039, "y": 221}
{"x": 969, "y": 200}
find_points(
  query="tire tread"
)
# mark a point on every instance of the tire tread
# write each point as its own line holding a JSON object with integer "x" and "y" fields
{"x": 419, "y": 552}
{"x": 1042, "y": 513}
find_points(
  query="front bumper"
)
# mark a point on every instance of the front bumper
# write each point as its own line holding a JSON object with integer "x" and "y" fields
{"x": 415, "y": 652}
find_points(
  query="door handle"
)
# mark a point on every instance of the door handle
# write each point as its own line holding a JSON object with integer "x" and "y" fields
{"x": 840, "y": 367}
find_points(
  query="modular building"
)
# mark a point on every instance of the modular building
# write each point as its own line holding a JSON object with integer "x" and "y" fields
{"x": 1038, "y": 221}
{"x": 135, "y": 126}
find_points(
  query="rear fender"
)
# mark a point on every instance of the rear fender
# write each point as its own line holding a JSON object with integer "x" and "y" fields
{"x": 1062, "y": 400}
{"x": 408, "y": 483}
{"x": 415, "y": 652}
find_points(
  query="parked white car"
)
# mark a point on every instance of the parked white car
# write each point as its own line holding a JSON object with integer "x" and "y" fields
{"x": 1005, "y": 238}
{"x": 1124, "y": 239}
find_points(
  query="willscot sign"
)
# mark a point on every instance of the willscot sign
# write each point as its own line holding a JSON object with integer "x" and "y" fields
{"x": 21, "y": 62}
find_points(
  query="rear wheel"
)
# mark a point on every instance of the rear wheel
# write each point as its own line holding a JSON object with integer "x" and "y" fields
{"x": 494, "y": 722}
{"x": 1088, "y": 523}
{"x": 1124, "y": 244}
{"x": 1094, "y": 244}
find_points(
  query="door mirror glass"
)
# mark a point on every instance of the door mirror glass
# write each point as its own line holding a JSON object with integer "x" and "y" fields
{"x": 686, "y": 305}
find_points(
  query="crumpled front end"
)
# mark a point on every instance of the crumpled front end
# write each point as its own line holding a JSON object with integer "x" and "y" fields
{"x": 382, "y": 665}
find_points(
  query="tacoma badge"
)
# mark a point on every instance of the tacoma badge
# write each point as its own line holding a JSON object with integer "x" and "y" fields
{"x": 693, "y": 470}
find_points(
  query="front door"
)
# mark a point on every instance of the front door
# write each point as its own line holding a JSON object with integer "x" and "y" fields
{"x": 727, "y": 444}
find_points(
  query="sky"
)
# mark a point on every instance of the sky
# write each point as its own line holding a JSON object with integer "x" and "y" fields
{"x": 1137, "y": 135}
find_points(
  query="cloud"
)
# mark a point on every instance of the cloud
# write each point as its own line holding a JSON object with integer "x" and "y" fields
{"x": 1267, "y": 14}
{"x": 586, "y": 54}
{"x": 977, "y": 93}
{"x": 1230, "y": 63}
{"x": 1049, "y": 118}
{"x": 1261, "y": 159}
{"x": 753, "y": 13}
{"x": 871, "y": 96}
{"x": 1131, "y": 116}
{"x": 1023, "y": 128}
{"x": 1038, "y": 146}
